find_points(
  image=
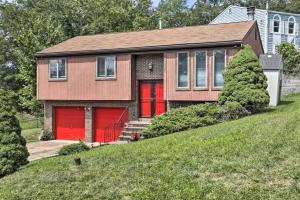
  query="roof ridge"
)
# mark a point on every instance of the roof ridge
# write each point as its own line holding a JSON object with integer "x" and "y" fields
{"x": 156, "y": 30}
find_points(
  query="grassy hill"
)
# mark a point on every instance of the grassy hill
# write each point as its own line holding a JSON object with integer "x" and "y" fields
{"x": 257, "y": 157}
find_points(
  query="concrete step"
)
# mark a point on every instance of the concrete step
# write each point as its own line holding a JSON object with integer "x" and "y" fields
{"x": 134, "y": 129}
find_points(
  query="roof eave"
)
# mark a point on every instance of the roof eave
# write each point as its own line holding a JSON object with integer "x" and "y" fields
{"x": 139, "y": 49}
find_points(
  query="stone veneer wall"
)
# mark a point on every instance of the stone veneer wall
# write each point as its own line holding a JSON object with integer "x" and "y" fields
{"x": 88, "y": 105}
{"x": 290, "y": 85}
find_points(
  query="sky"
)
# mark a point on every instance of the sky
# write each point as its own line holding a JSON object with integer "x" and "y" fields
{"x": 190, "y": 2}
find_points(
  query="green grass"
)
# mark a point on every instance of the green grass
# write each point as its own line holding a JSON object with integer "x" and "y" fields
{"x": 31, "y": 135}
{"x": 31, "y": 127}
{"x": 257, "y": 157}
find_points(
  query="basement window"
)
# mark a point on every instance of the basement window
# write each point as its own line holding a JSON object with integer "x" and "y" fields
{"x": 57, "y": 69}
{"x": 106, "y": 67}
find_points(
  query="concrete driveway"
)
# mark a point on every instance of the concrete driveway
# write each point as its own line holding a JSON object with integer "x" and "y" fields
{"x": 44, "y": 149}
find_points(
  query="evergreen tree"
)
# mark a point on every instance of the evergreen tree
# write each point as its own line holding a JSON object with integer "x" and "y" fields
{"x": 13, "y": 151}
{"x": 245, "y": 82}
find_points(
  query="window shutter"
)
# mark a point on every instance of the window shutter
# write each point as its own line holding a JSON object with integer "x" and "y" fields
{"x": 282, "y": 27}
{"x": 296, "y": 28}
{"x": 272, "y": 26}
{"x": 286, "y": 27}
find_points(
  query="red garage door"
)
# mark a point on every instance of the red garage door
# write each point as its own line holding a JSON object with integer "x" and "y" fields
{"x": 69, "y": 123}
{"x": 104, "y": 119}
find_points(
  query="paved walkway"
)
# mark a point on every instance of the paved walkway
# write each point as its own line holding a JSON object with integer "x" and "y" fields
{"x": 44, "y": 149}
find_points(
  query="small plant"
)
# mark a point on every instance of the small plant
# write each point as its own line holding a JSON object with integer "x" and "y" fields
{"x": 46, "y": 135}
{"x": 73, "y": 148}
{"x": 135, "y": 137}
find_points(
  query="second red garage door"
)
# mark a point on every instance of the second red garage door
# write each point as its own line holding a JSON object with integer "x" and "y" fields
{"x": 69, "y": 123}
{"x": 105, "y": 118}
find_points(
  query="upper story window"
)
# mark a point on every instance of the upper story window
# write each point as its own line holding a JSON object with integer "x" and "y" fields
{"x": 201, "y": 69}
{"x": 291, "y": 25}
{"x": 182, "y": 70}
{"x": 219, "y": 67}
{"x": 106, "y": 67}
{"x": 57, "y": 69}
{"x": 276, "y": 24}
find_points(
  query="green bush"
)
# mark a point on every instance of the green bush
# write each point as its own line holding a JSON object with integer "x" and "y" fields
{"x": 181, "y": 119}
{"x": 291, "y": 58}
{"x": 13, "y": 151}
{"x": 46, "y": 135}
{"x": 73, "y": 148}
{"x": 245, "y": 82}
{"x": 234, "y": 110}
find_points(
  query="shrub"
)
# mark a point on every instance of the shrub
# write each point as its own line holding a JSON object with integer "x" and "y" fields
{"x": 181, "y": 119}
{"x": 234, "y": 110}
{"x": 291, "y": 58}
{"x": 13, "y": 151}
{"x": 245, "y": 82}
{"x": 46, "y": 135}
{"x": 73, "y": 148}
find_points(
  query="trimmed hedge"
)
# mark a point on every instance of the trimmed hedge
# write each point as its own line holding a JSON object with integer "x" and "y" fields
{"x": 185, "y": 118}
{"x": 73, "y": 148}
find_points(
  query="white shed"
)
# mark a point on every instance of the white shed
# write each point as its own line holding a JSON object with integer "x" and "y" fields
{"x": 272, "y": 65}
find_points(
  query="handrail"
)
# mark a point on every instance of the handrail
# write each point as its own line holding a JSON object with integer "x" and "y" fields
{"x": 111, "y": 129}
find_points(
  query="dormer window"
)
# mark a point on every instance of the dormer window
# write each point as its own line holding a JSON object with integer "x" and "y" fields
{"x": 276, "y": 24}
{"x": 291, "y": 25}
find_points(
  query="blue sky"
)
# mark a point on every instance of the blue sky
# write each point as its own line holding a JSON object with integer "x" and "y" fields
{"x": 190, "y": 2}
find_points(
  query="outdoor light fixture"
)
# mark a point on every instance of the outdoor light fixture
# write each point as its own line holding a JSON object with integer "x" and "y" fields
{"x": 150, "y": 66}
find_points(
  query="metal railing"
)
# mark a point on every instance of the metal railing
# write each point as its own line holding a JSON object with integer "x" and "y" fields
{"x": 112, "y": 132}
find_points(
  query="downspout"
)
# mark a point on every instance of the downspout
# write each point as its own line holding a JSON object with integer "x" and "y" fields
{"x": 266, "y": 31}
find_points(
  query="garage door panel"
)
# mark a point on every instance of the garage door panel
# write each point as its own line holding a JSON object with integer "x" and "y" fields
{"x": 104, "y": 118}
{"x": 70, "y": 123}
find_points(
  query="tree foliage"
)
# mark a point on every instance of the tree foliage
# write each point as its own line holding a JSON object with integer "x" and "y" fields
{"x": 291, "y": 58}
{"x": 245, "y": 82}
{"x": 13, "y": 151}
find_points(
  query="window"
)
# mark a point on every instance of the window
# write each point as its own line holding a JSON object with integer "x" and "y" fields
{"x": 201, "y": 67}
{"x": 182, "y": 70}
{"x": 57, "y": 69}
{"x": 276, "y": 24}
{"x": 106, "y": 67}
{"x": 291, "y": 25}
{"x": 219, "y": 66}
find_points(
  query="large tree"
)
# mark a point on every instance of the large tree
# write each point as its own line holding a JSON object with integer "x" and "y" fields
{"x": 173, "y": 13}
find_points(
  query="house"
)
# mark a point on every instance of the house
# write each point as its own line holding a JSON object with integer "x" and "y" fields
{"x": 274, "y": 27}
{"x": 92, "y": 85}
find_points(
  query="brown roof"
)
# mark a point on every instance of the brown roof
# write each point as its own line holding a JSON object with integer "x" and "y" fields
{"x": 193, "y": 35}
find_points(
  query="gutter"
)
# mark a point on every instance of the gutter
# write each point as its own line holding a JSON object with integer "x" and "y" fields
{"x": 235, "y": 43}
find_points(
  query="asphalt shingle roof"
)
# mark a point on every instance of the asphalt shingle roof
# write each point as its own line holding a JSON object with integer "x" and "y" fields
{"x": 213, "y": 33}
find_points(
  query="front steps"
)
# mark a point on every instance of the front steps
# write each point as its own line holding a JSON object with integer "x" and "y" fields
{"x": 133, "y": 128}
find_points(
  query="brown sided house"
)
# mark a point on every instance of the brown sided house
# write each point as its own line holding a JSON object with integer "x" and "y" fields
{"x": 92, "y": 85}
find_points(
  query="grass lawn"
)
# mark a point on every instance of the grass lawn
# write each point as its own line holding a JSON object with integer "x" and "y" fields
{"x": 31, "y": 127}
{"x": 257, "y": 157}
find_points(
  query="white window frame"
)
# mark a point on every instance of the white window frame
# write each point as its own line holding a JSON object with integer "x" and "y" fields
{"x": 213, "y": 68}
{"x": 280, "y": 24}
{"x": 288, "y": 25}
{"x": 195, "y": 70}
{"x": 188, "y": 70}
{"x": 57, "y": 72}
{"x": 115, "y": 68}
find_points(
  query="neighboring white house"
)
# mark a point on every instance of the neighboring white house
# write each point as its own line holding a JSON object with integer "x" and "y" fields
{"x": 275, "y": 27}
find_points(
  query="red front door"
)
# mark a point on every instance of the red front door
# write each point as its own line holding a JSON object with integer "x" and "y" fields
{"x": 151, "y": 98}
